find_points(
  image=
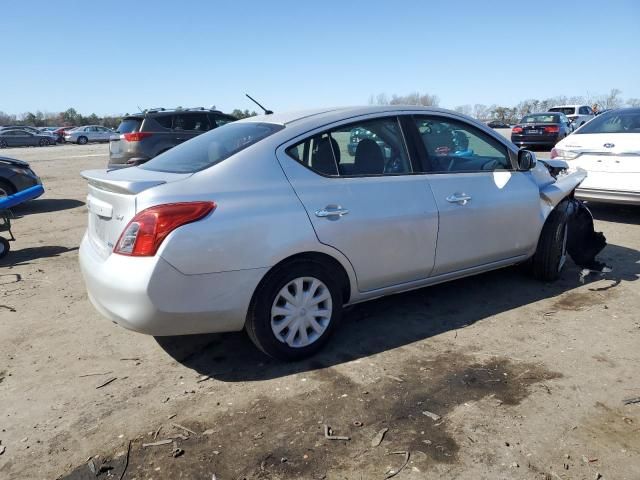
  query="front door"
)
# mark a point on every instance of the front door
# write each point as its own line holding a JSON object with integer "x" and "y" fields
{"x": 489, "y": 211}
{"x": 356, "y": 185}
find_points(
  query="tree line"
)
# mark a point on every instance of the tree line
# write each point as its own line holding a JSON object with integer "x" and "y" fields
{"x": 510, "y": 114}
{"x": 71, "y": 117}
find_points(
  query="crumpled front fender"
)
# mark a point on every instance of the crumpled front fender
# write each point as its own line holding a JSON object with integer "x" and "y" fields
{"x": 556, "y": 182}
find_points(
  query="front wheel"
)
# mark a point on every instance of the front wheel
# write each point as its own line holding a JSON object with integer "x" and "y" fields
{"x": 82, "y": 140}
{"x": 295, "y": 310}
{"x": 3, "y": 144}
{"x": 551, "y": 254}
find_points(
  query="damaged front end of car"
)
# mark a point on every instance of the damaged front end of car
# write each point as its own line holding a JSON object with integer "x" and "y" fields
{"x": 558, "y": 182}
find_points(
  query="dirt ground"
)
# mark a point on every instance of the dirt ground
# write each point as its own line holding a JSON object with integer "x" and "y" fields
{"x": 495, "y": 376}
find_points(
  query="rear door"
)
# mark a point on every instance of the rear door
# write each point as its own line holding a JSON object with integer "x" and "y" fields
{"x": 489, "y": 211}
{"x": 363, "y": 199}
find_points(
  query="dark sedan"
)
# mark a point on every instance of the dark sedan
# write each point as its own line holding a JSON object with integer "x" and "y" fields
{"x": 15, "y": 176}
{"x": 498, "y": 124}
{"x": 24, "y": 138}
{"x": 541, "y": 129}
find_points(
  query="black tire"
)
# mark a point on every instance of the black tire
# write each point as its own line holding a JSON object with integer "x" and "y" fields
{"x": 6, "y": 188}
{"x": 4, "y": 247}
{"x": 83, "y": 140}
{"x": 3, "y": 144}
{"x": 550, "y": 256}
{"x": 258, "y": 324}
{"x": 43, "y": 142}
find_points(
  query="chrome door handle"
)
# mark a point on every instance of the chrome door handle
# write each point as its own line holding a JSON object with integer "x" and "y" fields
{"x": 459, "y": 198}
{"x": 331, "y": 211}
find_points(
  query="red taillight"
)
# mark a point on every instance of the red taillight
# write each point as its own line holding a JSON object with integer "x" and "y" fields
{"x": 516, "y": 130}
{"x": 552, "y": 129}
{"x": 146, "y": 231}
{"x": 136, "y": 136}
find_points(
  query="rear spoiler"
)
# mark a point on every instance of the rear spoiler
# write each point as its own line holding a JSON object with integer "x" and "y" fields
{"x": 102, "y": 180}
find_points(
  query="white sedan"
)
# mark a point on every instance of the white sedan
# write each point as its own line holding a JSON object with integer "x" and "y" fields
{"x": 608, "y": 148}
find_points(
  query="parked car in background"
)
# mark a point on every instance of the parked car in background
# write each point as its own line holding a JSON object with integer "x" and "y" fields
{"x": 268, "y": 224}
{"x": 541, "y": 130}
{"x": 578, "y": 114}
{"x": 88, "y": 133}
{"x": 608, "y": 148}
{"x": 15, "y": 176}
{"x": 18, "y": 137}
{"x": 145, "y": 135}
{"x": 498, "y": 124}
{"x": 22, "y": 127}
{"x": 60, "y": 132}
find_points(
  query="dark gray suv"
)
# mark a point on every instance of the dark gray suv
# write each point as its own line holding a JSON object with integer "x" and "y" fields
{"x": 142, "y": 136}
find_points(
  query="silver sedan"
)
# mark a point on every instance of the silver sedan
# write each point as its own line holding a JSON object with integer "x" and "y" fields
{"x": 89, "y": 133}
{"x": 274, "y": 223}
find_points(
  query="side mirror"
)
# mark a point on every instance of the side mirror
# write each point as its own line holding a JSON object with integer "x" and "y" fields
{"x": 526, "y": 160}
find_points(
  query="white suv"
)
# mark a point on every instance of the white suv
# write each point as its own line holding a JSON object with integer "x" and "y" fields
{"x": 578, "y": 114}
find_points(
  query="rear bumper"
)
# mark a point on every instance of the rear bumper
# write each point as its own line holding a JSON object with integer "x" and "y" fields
{"x": 148, "y": 295}
{"x": 534, "y": 139}
{"x": 608, "y": 196}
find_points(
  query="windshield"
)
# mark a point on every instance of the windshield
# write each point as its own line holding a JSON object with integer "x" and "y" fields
{"x": 540, "y": 118}
{"x": 565, "y": 110}
{"x": 210, "y": 148}
{"x": 615, "y": 121}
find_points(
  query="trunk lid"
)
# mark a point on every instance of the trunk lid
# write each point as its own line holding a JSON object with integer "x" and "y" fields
{"x": 112, "y": 201}
{"x": 612, "y": 153}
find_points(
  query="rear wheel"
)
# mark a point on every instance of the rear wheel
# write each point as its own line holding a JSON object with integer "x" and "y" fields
{"x": 551, "y": 254}
{"x": 43, "y": 142}
{"x": 295, "y": 310}
{"x": 3, "y": 144}
{"x": 4, "y": 247}
{"x": 82, "y": 140}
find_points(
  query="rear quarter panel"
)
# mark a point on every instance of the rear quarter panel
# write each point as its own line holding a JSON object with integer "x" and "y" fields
{"x": 258, "y": 220}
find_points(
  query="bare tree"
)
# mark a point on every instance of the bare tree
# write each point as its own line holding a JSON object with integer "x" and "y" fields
{"x": 633, "y": 102}
{"x": 464, "y": 109}
{"x": 415, "y": 98}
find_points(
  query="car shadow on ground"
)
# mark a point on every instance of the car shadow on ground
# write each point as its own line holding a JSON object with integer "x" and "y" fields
{"x": 45, "y": 205}
{"x": 629, "y": 214}
{"x": 403, "y": 319}
{"x": 24, "y": 256}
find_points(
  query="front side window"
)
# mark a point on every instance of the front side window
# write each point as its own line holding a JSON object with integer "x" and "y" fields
{"x": 583, "y": 111}
{"x": 371, "y": 147}
{"x": 454, "y": 146}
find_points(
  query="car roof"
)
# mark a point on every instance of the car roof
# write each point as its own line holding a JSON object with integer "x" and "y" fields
{"x": 329, "y": 115}
{"x": 570, "y": 106}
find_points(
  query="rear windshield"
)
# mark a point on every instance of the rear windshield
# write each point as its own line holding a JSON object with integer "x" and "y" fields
{"x": 565, "y": 110}
{"x": 541, "y": 119}
{"x": 129, "y": 125}
{"x": 615, "y": 121}
{"x": 210, "y": 148}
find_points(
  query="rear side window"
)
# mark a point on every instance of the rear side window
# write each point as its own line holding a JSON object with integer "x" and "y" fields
{"x": 129, "y": 125}
{"x": 198, "y": 122}
{"x": 374, "y": 147}
{"x": 206, "y": 150}
{"x": 164, "y": 121}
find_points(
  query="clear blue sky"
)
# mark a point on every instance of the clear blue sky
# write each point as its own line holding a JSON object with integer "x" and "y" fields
{"x": 111, "y": 56}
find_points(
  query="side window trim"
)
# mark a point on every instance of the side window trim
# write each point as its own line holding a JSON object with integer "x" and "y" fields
{"x": 425, "y": 157}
